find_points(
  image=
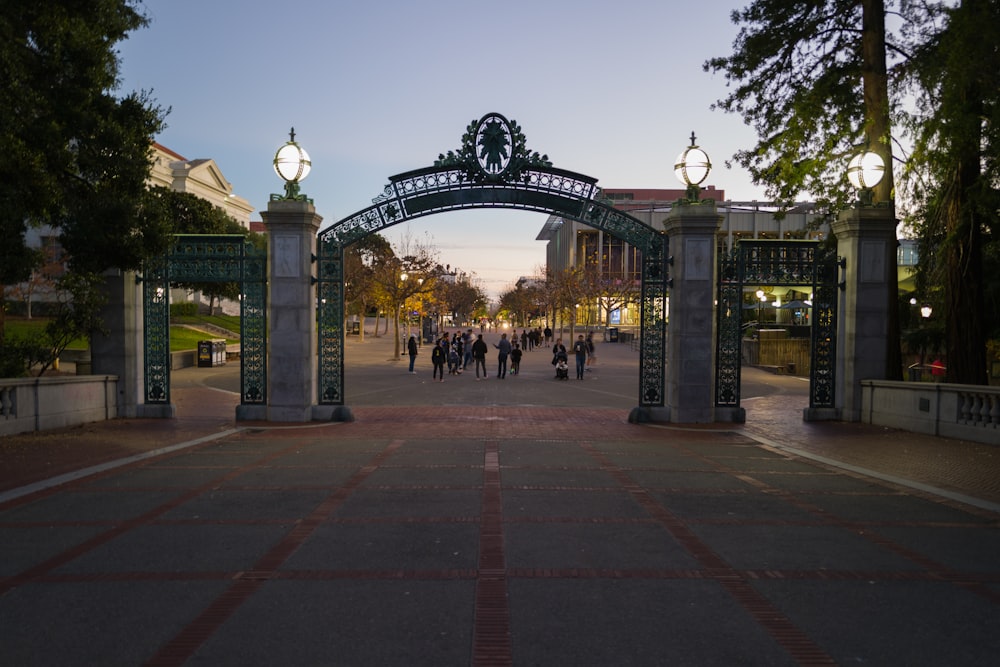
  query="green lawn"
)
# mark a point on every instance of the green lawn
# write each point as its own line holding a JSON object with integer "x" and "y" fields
{"x": 20, "y": 327}
{"x": 181, "y": 338}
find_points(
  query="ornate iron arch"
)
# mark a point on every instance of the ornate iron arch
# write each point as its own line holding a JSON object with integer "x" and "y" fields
{"x": 492, "y": 169}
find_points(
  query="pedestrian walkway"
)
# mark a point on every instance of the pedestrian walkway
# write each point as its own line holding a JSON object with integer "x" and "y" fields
{"x": 497, "y": 531}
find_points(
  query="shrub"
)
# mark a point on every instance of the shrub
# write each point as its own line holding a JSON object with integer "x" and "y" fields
{"x": 184, "y": 309}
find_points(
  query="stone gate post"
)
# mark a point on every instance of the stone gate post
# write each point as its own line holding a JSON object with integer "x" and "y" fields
{"x": 118, "y": 351}
{"x": 691, "y": 328}
{"x": 866, "y": 240}
{"x": 292, "y": 226}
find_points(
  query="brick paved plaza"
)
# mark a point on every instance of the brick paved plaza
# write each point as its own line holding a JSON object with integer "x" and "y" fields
{"x": 520, "y": 521}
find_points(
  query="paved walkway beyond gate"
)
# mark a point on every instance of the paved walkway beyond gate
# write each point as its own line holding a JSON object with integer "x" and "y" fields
{"x": 473, "y": 534}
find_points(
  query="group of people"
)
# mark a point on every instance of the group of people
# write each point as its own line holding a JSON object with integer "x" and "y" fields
{"x": 457, "y": 350}
{"x": 583, "y": 353}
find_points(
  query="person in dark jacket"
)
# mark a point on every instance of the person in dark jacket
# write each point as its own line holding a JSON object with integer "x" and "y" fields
{"x": 438, "y": 356}
{"x": 580, "y": 351}
{"x": 411, "y": 349}
{"x": 479, "y": 350}
{"x": 515, "y": 360}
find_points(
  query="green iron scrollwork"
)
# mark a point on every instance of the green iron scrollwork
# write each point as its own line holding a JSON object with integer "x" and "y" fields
{"x": 156, "y": 331}
{"x": 653, "y": 318}
{"x": 494, "y": 149}
{"x": 330, "y": 288}
{"x": 207, "y": 258}
{"x": 493, "y": 169}
{"x": 804, "y": 265}
{"x": 729, "y": 312}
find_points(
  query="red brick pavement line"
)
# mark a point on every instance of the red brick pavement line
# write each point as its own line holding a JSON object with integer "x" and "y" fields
{"x": 184, "y": 645}
{"x": 44, "y": 568}
{"x": 789, "y": 636}
{"x": 937, "y": 571}
{"x": 491, "y": 640}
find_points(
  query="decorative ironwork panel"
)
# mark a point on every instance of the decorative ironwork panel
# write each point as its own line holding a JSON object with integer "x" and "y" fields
{"x": 826, "y": 291}
{"x": 207, "y": 258}
{"x": 653, "y": 316}
{"x": 156, "y": 332}
{"x": 777, "y": 262}
{"x": 330, "y": 277}
{"x": 800, "y": 264}
{"x": 728, "y": 352}
{"x": 253, "y": 328}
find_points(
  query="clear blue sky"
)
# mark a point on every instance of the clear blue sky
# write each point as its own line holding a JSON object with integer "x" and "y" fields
{"x": 611, "y": 90}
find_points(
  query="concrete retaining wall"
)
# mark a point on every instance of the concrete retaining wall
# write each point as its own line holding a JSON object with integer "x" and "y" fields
{"x": 966, "y": 412}
{"x": 38, "y": 404}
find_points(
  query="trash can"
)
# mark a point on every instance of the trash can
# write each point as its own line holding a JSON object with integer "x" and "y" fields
{"x": 205, "y": 354}
{"x": 612, "y": 334}
{"x": 211, "y": 353}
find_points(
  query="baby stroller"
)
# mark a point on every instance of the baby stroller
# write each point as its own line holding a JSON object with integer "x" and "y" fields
{"x": 562, "y": 368}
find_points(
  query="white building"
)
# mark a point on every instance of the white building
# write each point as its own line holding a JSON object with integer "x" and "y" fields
{"x": 201, "y": 177}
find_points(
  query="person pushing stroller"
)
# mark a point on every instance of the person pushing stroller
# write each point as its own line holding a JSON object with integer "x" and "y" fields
{"x": 560, "y": 360}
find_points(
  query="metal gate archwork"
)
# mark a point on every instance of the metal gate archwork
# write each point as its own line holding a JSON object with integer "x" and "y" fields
{"x": 207, "y": 258}
{"x": 806, "y": 265}
{"x": 492, "y": 169}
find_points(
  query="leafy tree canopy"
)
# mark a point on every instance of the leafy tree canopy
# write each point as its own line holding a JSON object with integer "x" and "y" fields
{"x": 795, "y": 76}
{"x": 72, "y": 154}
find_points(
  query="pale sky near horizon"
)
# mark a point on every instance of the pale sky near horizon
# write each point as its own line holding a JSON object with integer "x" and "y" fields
{"x": 610, "y": 90}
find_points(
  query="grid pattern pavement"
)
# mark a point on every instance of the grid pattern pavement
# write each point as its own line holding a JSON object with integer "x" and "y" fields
{"x": 478, "y": 534}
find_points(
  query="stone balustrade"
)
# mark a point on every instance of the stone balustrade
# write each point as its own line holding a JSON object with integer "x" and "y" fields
{"x": 958, "y": 411}
{"x": 39, "y": 404}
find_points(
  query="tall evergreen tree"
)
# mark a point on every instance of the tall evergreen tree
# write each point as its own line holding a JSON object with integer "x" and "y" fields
{"x": 811, "y": 77}
{"x": 954, "y": 174}
{"x": 72, "y": 154}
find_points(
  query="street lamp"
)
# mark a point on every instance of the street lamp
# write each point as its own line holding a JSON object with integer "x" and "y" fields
{"x": 692, "y": 168}
{"x": 292, "y": 164}
{"x": 761, "y": 300}
{"x": 865, "y": 171}
{"x": 925, "y": 311}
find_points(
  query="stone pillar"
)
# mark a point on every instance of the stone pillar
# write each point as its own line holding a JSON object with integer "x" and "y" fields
{"x": 691, "y": 328}
{"x": 119, "y": 352}
{"x": 292, "y": 371}
{"x": 866, "y": 240}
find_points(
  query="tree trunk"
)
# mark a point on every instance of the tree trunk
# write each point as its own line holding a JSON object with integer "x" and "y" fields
{"x": 878, "y": 131}
{"x": 965, "y": 327}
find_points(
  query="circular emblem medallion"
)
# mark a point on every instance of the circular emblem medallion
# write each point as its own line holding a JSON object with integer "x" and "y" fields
{"x": 493, "y": 144}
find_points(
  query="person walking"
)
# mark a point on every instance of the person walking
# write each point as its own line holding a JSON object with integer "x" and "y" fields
{"x": 411, "y": 349}
{"x": 438, "y": 356}
{"x": 548, "y": 335}
{"x": 591, "y": 350}
{"x": 515, "y": 360}
{"x": 580, "y": 350}
{"x": 467, "y": 347}
{"x": 504, "y": 351}
{"x": 479, "y": 351}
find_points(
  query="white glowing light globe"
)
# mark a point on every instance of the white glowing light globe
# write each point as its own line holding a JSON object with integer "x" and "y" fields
{"x": 692, "y": 166}
{"x": 865, "y": 170}
{"x": 291, "y": 162}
